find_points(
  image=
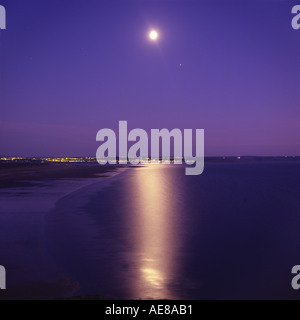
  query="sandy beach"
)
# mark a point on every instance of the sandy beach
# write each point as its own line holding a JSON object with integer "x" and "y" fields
{"x": 27, "y": 193}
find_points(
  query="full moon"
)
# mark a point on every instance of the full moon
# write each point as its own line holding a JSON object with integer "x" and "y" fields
{"x": 153, "y": 35}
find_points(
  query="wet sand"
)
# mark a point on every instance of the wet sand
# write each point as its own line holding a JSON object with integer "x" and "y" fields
{"x": 26, "y": 174}
{"x": 27, "y": 193}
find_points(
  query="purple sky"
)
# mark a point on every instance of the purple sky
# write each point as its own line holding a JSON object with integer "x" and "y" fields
{"x": 70, "y": 68}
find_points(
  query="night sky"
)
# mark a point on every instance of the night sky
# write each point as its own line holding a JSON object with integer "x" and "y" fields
{"x": 70, "y": 68}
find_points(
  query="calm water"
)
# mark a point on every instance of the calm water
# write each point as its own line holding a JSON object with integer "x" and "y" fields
{"x": 152, "y": 232}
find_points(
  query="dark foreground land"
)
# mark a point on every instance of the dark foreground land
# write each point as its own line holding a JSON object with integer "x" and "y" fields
{"x": 26, "y": 174}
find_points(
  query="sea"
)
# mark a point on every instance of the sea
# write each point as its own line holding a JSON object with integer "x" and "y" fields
{"x": 151, "y": 232}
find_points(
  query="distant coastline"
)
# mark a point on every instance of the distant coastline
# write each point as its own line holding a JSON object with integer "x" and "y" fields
{"x": 22, "y": 172}
{"x": 92, "y": 160}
